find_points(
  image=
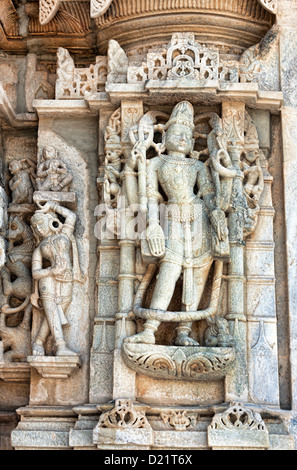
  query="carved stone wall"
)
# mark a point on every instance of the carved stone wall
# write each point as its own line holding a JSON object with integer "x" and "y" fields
{"x": 147, "y": 225}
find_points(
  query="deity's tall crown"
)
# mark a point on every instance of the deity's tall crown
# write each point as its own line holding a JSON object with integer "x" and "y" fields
{"x": 183, "y": 114}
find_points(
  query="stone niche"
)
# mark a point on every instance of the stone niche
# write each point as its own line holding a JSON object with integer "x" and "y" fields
{"x": 145, "y": 244}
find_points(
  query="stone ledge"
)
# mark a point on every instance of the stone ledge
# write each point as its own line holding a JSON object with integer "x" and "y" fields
{"x": 54, "y": 367}
{"x": 67, "y": 198}
{"x": 15, "y": 372}
{"x": 196, "y": 91}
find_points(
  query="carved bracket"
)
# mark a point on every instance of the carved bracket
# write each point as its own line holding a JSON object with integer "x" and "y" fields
{"x": 178, "y": 363}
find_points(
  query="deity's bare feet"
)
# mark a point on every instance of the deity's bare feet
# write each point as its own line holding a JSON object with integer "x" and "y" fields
{"x": 146, "y": 336}
{"x": 63, "y": 351}
{"x": 37, "y": 350}
{"x": 184, "y": 340}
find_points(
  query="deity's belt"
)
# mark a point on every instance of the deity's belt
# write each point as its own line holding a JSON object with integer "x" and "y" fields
{"x": 184, "y": 212}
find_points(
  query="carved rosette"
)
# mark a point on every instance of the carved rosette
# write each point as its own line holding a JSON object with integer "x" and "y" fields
{"x": 178, "y": 363}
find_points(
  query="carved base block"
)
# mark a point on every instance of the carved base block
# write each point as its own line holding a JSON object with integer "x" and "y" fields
{"x": 55, "y": 367}
{"x": 135, "y": 438}
{"x": 18, "y": 372}
{"x": 224, "y": 440}
{"x": 178, "y": 363}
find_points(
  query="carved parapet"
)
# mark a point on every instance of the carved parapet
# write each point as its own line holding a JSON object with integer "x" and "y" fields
{"x": 124, "y": 424}
{"x": 79, "y": 83}
{"x": 238, "y": 427}
{"x": 178, "y": 363}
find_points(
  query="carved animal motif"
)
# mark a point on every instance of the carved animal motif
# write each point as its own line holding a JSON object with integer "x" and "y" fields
{"x": 66, "y": 67}
{"x": 18, "y": 264}
{"x": 21, "y": 184}
{"x": 16, "y": 340}
{"x": 52, "y": 174}
{"x": 117, "y": 63}
{"x": 217, "y": 333}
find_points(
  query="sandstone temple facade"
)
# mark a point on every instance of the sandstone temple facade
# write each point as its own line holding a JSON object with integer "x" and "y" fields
{"x": 148, "y": 255}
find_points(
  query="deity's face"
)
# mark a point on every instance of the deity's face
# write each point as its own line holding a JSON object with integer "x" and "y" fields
{"x": 179, "y": 139}
{"x": 252, "y": 156}
{"x": 41, "y": 224}
{"x": 15, "y": 166}
{"x": 50, "y": 153}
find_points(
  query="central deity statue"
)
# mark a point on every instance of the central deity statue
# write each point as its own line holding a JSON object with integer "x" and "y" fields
{"x": 196, "y": 233}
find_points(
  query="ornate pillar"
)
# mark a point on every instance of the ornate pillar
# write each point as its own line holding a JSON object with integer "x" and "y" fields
{"x": 124, "y": 378}
{"x": 233, "y": 121}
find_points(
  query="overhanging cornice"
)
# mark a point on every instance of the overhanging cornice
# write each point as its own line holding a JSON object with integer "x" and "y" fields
{"x": 49, "y": 8}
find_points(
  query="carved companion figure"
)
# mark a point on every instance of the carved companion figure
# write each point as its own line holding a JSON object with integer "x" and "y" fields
{"x": 57, "y": 247}
{"x": 193, "y": 220}
{"x": 52, "y": 174}
{"x": 21, "y": 183}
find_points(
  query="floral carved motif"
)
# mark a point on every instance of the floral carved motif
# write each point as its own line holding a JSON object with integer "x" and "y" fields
{"x": 123, "y": 415}
{"x": 180, "y": 420}
{"x": 238, "y": 417}
{"x": 178, "y": 363}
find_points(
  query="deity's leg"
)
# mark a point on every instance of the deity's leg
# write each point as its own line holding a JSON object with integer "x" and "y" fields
{"x": 183, "y": 330}
{"x": 163, "y": 293}
{"x": 43, "y": 185}
{"x": 52, "y": 323}
{"x": 64, "y": 181}
{"x": 38, "y": 345}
